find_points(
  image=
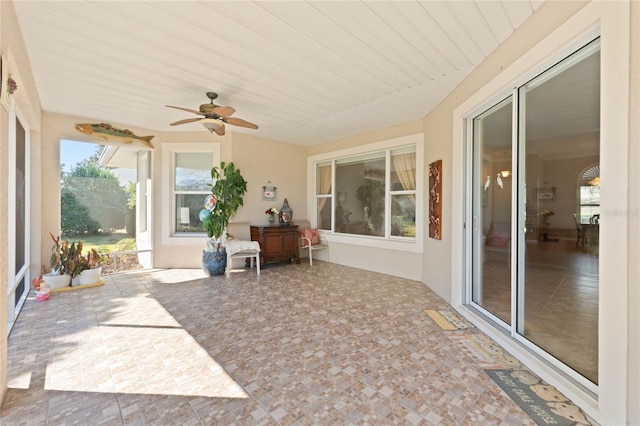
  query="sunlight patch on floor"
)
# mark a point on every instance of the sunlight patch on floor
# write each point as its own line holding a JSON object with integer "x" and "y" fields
{"x": 134, "y": 346}
{"x": 20, "y": 382}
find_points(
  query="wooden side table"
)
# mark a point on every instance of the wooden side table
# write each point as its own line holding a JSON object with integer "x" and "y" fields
{"x": 277, "y": 242}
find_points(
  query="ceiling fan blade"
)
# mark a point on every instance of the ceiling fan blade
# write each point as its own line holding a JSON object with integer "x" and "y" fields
{"x": 224, "y": 111}
{"x": 185, "y": 121}
{"x": 220, "y": 131}
{"x": 239, "y": 122}
{"x": 185, "y": 109}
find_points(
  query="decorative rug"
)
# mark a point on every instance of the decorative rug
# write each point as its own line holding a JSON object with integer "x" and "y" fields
{"x": 541, "y": 401}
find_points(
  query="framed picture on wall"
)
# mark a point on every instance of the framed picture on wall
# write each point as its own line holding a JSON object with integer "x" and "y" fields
{"x": 269, "y": 192}
{"x": 546, "y": 193}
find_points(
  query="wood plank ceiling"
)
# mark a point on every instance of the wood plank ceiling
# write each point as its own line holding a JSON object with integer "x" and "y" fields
{"x": 305, "y": 72}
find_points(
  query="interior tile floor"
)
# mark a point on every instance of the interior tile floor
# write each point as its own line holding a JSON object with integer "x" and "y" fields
{"x": 298, "y": 345}
{"x": 560, "y": 300}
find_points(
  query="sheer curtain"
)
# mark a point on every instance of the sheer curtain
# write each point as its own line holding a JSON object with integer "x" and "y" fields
{"x": 405, "y": 165}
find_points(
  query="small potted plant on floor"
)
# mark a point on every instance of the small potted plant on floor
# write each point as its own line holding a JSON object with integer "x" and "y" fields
{"x": 59, "y": 277}
{"x": 226, "y": 198}
{"x": 90, "y": 268}
{"x": 70, "y": 266}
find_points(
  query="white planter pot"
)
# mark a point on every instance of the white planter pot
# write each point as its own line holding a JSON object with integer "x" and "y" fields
{"x": 90, "y": 276}
{"x": 56, "y": 281}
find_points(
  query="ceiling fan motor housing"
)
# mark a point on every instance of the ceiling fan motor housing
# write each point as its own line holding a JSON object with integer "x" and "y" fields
{"x": 207, "y": 108}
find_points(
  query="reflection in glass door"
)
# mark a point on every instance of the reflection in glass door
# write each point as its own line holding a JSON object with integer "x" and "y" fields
{"x": 559, "y": 145}
{"x": 540, "y": 281}
{"x": 492, "y": 176}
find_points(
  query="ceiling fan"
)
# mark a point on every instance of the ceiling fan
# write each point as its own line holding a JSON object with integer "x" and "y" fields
{"x": 214, "y": 116}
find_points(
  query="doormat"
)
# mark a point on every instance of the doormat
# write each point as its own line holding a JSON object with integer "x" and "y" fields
{"x": 541, "y": 401}
{"x": 447, "y": 320}
{"x": 484, "y": 351}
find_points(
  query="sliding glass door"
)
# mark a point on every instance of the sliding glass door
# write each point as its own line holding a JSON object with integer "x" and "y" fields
{"x": 535, "y": 208}
{"x": 492, "y": 171}
{"x": 19, "y": 184}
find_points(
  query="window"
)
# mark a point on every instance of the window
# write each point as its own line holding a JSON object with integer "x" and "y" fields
{"x": 403, "y": 192}
{"x": 375, "y": 194}
{"x": 323, "y": 195}
{"x": 589, "y": 194}
{"x": 191, "y": 173}
{"x": 188, "y": 168}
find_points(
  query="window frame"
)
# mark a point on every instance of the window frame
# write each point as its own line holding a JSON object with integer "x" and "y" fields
{"x": 411, "y": 244}
{"x": 584, "y": 183}
{"x": 169, "y": 151}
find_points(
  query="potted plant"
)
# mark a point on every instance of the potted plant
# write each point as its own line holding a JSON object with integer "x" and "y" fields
{"x": 90, "y": 268}
{"x": 226, "y": 198}
{"x": 69, "y": 266}
{"x": 74, "y": 262}
{"x": 59, "y": 276}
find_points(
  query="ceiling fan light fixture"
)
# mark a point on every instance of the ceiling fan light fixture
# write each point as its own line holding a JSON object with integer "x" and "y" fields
{"x": 211, "y": 124}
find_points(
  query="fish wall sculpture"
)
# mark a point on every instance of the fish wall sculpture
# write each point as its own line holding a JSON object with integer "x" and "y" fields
{"x": 107, "y": 131}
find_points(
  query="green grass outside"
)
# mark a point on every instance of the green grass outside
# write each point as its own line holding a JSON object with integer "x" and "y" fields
{"x": 105, "y": 243}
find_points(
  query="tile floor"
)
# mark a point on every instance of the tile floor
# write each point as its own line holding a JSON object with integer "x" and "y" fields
{"x": 299, "y": 345}
{"x": 561, "y": 300}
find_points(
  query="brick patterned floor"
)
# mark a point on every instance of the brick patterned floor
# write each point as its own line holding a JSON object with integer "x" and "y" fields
{"x": 298, "y": 345}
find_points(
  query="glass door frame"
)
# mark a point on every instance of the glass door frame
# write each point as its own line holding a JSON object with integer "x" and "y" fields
{"x": 518, "y": 226}
{"x": 474, "y": 163}
{"x": 15, "y": 277}
{"x": 611, "y": 22}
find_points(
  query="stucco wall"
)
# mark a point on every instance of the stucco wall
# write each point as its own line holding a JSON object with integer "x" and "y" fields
{"x": 369, "y": 137}
{"x": 262, "y": 160}
{"x": 259, "y": 160}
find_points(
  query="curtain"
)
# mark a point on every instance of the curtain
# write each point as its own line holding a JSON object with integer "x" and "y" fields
{"x": 405, "y": 165}
{"x": 325, "y": 188}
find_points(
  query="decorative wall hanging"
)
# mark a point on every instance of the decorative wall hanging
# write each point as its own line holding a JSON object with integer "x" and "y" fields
{"x": 269, "y": 192}
{"x": 107, "y": 131}
{"x": 435, "y": 200}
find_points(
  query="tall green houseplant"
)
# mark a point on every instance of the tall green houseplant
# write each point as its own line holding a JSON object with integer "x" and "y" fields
{"x": 227, "y": 190}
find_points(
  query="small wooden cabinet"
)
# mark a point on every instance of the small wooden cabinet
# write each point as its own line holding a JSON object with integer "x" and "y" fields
{"x": 277, "y": 242}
